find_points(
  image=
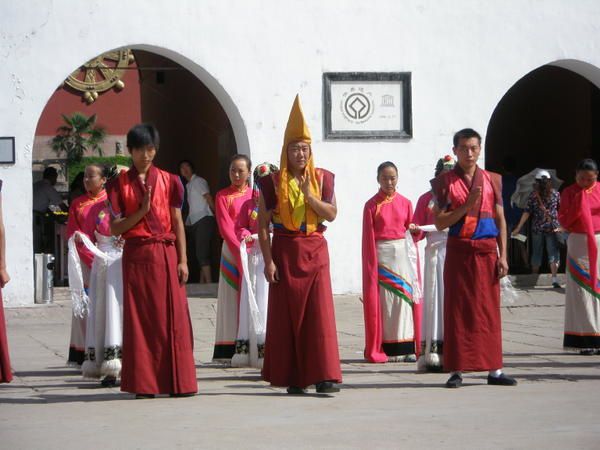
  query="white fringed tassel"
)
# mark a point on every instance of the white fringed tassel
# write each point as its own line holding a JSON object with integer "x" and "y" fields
{"x": 240, "y": 360}
{"x": 89, "y": 369}
{"x": 111, "y": 368}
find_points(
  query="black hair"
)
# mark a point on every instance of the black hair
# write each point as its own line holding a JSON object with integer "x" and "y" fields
{"x": 239, "y": 156}
{"x": 465, "y": 133}
{"x": 77, "y": 182}
{"x": 188, "y": 162}
{"x": 385, "y": 165}
{"x": 439, "y": 167}
{"x": 544, "y": 187}
{"x": 587, "y": 164}
{"x": 50, "y": 172}
{"x": 142, "y": 135}
{"x": 107, "y": 172}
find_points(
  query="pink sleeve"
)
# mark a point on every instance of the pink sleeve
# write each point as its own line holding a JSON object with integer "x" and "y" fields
{"x": 371, "y": 307}
{"x": 420, "y": 216}
{"x": 571, "y": 206}
{"x": 176, "y": 197}
{"x": 242, "y": 224}
{"x": 73, "y": 225}
{"x": 409, "y": 214}
{"x": 226, "y": 225}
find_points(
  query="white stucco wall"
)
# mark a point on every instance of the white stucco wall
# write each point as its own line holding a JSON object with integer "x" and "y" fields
{"x": 256, "y": 55}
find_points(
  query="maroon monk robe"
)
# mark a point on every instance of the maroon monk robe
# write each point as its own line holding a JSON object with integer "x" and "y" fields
{"x": 5, "y": 372}
{"x": 472, "y": 319}
{"x": 301, "y": 345}
{"x": 157, "y": 331}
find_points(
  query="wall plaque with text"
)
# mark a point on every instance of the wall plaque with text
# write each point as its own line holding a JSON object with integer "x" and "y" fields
{"x": 367, "y": 105}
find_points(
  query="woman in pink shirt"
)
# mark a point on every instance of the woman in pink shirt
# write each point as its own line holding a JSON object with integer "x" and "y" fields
{"x": 579, "y": 214}
{"x": 389, "y": 290}
{"x": 228, "y": 204}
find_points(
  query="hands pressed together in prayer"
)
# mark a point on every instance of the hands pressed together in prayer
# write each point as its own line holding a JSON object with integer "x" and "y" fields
{"x": 146, "y": 201}
{"x": 304, "y": 182}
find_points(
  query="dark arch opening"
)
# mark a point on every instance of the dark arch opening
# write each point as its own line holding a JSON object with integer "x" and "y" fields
{"x": 547, "y": 119}
{"x": 192, "y": 122}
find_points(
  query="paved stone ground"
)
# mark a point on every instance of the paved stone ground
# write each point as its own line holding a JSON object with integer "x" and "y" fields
{"x": 555, "y": 405}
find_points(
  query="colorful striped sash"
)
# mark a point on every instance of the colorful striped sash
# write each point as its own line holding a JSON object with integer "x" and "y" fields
{"x": 581, "y": 276}
{"x": 230, "y": 273}
{"x": 394, "y": 283}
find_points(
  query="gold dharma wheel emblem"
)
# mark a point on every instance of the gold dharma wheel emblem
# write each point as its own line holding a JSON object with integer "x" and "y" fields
{"x": 101, "y": 74}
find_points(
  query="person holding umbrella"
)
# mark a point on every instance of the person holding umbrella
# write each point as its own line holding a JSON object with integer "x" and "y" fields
{"x": 542, "y": 206}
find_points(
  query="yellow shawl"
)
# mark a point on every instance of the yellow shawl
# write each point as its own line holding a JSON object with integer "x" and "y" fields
{"x": 290, "y": 209}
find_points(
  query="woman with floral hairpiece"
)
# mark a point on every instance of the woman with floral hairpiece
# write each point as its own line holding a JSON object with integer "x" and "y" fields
{"x": 250, "y": 342}
{"x": 433, "y": 276}
{"x": 104, "y": 321}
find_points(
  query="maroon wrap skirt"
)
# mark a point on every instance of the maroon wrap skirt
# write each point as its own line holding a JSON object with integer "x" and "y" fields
{"x": 5, "y": 371}
{"x": 301, "y": 345}
{"x": 472, "y": 319}
{"x": 157, "y": 331}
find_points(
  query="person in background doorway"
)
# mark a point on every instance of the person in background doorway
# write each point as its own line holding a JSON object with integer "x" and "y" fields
{"x": 579, "y": 214}
{"x": 542, "y": 207}
{"x": 200, "y": 223}
{"x": 45, "y": 198}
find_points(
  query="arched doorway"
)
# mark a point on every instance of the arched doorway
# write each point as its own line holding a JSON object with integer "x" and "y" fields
{"x": 548, "y": 119}
{"x": 196, "y": 118}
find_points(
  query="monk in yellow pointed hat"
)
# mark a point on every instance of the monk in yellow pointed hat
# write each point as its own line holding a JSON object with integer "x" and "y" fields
{"x": 301, "y": 342}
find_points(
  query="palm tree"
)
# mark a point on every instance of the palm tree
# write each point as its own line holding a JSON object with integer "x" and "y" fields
{"x": 80, "y": 133}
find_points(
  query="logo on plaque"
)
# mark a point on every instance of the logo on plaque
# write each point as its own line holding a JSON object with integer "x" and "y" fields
{"x": 357, "y": 106}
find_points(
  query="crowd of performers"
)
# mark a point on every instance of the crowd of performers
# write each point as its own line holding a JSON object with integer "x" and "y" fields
{"x": 275, "y": 310}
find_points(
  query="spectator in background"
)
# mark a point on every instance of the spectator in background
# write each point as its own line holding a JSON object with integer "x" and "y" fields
{"x": 45, "y": 197}
{"x": 200, "y": 222}
{"x": 543, "y": 206}
{"x": 44, "y": 192}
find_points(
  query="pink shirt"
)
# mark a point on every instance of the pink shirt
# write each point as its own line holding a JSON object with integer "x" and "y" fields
{"x": 247, "y": 221}
{"x": 228, "y": 205}
{"x": 387, "y": 217}
{"x": 86, "y": 215}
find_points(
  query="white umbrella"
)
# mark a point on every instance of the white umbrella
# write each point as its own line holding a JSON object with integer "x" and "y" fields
{"x": 525, "y": 186}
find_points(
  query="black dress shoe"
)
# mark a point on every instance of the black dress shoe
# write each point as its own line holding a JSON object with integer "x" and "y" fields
{"x": 178, "y": 395}
{"x": 455, "y": 381}
{"x": 295, "y": 390}
{"x": 555, "y": 285}
{"x": 327, "y": 387}
{"x": 142, "y": 396}
{"x": 109, "y": 381}
{"x": 502, "y": 380}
